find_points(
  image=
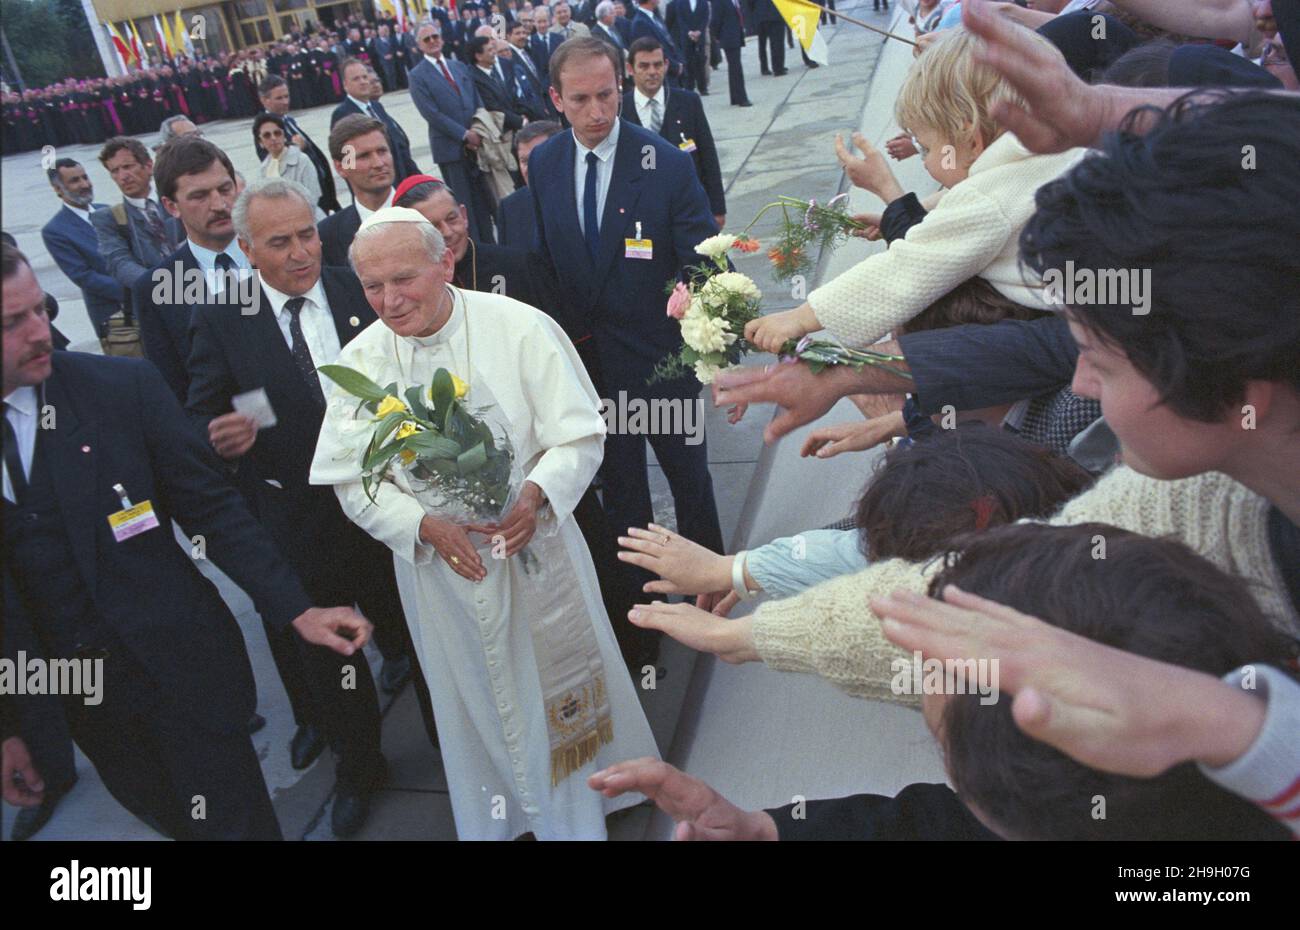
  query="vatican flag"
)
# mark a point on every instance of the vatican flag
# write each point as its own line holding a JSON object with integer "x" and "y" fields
{"x": 802, "y": 18}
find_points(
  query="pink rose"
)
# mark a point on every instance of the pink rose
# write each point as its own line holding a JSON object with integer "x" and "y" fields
{"x": 678, "y": 301}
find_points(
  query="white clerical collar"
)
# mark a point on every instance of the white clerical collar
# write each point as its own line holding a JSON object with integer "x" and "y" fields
{"x": 642, "y": 101}
{"x": 364, "y": 212}
{"x": 447, "y": 330}
{"x": 139, "y": 202}
{"x": 83, "y": 212}
{"x": 605, "y": 149}
{"x": 278, "y": 298}
{"x": 23, "y": 400}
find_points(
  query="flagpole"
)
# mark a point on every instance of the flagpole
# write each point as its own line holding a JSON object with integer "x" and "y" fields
{"x": 858, "y": 22}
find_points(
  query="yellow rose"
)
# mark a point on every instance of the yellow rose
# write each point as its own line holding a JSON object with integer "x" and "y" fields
{"x": 407, "y": 428}
{"x": 461, "y": 387}
{"x": 388, "y": 405}
{"x": 407, "y": 456}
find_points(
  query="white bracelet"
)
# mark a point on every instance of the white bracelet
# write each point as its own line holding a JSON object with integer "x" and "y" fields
{"x": 738, "y": 577}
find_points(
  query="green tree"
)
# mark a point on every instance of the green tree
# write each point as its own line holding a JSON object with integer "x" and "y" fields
{"x": 51, "y": 40}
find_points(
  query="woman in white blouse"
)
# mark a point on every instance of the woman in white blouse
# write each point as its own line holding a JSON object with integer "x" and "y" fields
{"x": 284, "y": 160}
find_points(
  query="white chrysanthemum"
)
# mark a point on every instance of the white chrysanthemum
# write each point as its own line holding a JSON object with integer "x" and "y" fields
{"x": 704, "y": 333}
{"x": 733, "y": 282}
{"x": 705, "y": 372}
{"x": 715, "y": 246}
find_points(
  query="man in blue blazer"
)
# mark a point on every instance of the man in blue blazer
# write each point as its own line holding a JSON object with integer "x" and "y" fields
{"x": 443, "y": 91}
{"x": 619, "y": 213}
{"x": 357, "y": 99}
{"x": 728, "y": 25}
{"x": 646, "y": 22}
{"x": 543, "y": 43}
{"x": 71, "y": 241}
{"x": 93, "y": 574}
{"x": 688, "y": 23}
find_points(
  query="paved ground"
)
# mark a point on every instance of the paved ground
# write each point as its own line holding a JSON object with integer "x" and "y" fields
{"x": 782, "y": 145}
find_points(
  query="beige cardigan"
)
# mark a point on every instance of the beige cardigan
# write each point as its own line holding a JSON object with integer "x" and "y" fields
{"x": 829, "y": 630}
{"x": 973, "y": 231}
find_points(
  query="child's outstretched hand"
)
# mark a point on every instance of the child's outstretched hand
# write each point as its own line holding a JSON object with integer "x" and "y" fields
{"x": 769, "y": 333}
{"x": 900, "y": 147}
{"x": 871, "y": 171}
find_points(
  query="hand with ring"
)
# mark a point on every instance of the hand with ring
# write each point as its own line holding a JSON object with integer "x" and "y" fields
{"x": 684, "y": 567}
{"x": 452, "y": 543}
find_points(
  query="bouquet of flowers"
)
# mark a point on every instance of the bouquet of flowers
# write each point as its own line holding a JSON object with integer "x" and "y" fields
{"x": 820, "y": 354}
{"x": 713, "y": 310}
{"x": 806, "y": 224}
{"x": 461, "y": 466}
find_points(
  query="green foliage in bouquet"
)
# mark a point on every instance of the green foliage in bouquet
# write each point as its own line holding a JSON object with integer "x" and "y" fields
{"x": 437, "y": 439}
{"x": 807, "y": 229}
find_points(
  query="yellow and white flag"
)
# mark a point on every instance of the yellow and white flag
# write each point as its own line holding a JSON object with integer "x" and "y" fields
{"x": 802, "y": 17}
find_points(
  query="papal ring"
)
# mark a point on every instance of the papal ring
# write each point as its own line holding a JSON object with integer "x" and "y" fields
{"x": 665, "y": 542}
{"x": 455, "y": 560}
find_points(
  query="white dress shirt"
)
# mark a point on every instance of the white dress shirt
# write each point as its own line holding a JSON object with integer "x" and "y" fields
{"x": 139, "y": 202}
{"x": 207, "y": 260}
{"x": 364, "y": 212}
{"x": 317, "y": 325}
{"x": 365, "y": 106}
{"x": 604, "y": 171}
{"x": 23, "y": 409}
{"x": 84, "y": 214}
{"x": 643, "y": 105}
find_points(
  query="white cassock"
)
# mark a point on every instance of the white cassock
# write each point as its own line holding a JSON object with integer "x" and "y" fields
{"x": 474, "y": 641}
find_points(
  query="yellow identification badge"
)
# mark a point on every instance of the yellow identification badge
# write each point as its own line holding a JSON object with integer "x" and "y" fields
{"x": 686, "y": 145}
{"x": 638, "y": 248}
{"x": 132, "y": 521}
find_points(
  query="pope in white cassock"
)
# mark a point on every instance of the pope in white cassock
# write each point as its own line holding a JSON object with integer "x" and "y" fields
{"x": 529, "y": 689}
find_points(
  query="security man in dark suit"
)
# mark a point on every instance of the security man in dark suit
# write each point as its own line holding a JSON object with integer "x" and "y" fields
{"x": 302, "y": 318}
{"x": 680, "y": 116}
{"x": 516, "y": 218}
{"x": 98, "y": 460}
{"x": 619, "y": 212}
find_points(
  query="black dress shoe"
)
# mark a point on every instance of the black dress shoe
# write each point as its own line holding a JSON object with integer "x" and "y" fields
{"x": 395, "y": 674}
{"x": 812, "y": 64}
{"x": 766, "y": 71}
{"x": 30, "y": 819}
{"x": 745, "y": 103}
{"x": 307, "y": 743}
{"x": 782, "y": 73}
{"x": 351, "y": 808}
{"x": 704, "y": 93}
{"x": 256, "y": 722}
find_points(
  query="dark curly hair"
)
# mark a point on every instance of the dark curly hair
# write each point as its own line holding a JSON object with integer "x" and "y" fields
{"x": 1208, "y": 201}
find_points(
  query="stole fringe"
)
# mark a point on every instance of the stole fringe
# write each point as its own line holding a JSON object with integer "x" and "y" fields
{"x": 568, "y": 759}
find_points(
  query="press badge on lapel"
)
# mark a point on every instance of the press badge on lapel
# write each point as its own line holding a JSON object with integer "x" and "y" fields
{"x": 638, "y": 247}
{"x": 132, "y": 519}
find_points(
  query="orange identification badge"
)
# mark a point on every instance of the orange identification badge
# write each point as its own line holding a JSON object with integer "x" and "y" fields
{"x": 686, "y": 145}
{"x": 638, "y": 247}
{"x": 132, "y": 519}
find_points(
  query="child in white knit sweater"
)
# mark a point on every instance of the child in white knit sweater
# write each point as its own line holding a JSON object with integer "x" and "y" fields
{"x": 974, "y": 229}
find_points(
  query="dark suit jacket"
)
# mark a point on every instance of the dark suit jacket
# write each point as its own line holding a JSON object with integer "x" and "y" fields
{"x": 497, "y": 96}
{"x": 918, "y": 812}
{"x": 336, "y": 234}
{"x": 987, "y": 364}
{"x": 517, "y": 221}
{"x": 624, "y": 28}
{"x": 128, "y": 252}
{"x": 74, "y": 246}
{"x": 540, "y": 48}
{"x": 165, "y": 324}
{"x": 681, "y": 19}
{"x": 642, "y": 24}
{"x": 233, "y": 353}
{"x": 118, "y": 424}
{"x": 728, "y": 30}
{"x": 403, "y": 163}
{"x": 613, "y": 37}
{"x": 620, "y": 300}
{"x": 684, "y": 119}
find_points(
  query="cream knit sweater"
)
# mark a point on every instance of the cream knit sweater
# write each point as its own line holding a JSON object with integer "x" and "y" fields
{"x": 830, "y": 630}
{"x": 973, "y": 231}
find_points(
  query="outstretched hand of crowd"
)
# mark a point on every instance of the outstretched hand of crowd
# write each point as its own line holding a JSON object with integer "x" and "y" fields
{"x": 1103, "y": 707}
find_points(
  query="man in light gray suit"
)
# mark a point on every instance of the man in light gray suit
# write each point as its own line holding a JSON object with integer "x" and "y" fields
{"x": 136, "y": 234}
{"x": 444, "y": 93}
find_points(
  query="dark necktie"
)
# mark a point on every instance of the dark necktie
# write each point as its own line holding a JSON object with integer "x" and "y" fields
{"x": 446, "y": 72}
{"x": 14, "y": 461}
{"x": 302, "y": 354}
{"x": 590, "y": 227}
{"x": 227, "y": 272}
{"x": 291, "y": 126}
{"x": 154, "y": 222}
